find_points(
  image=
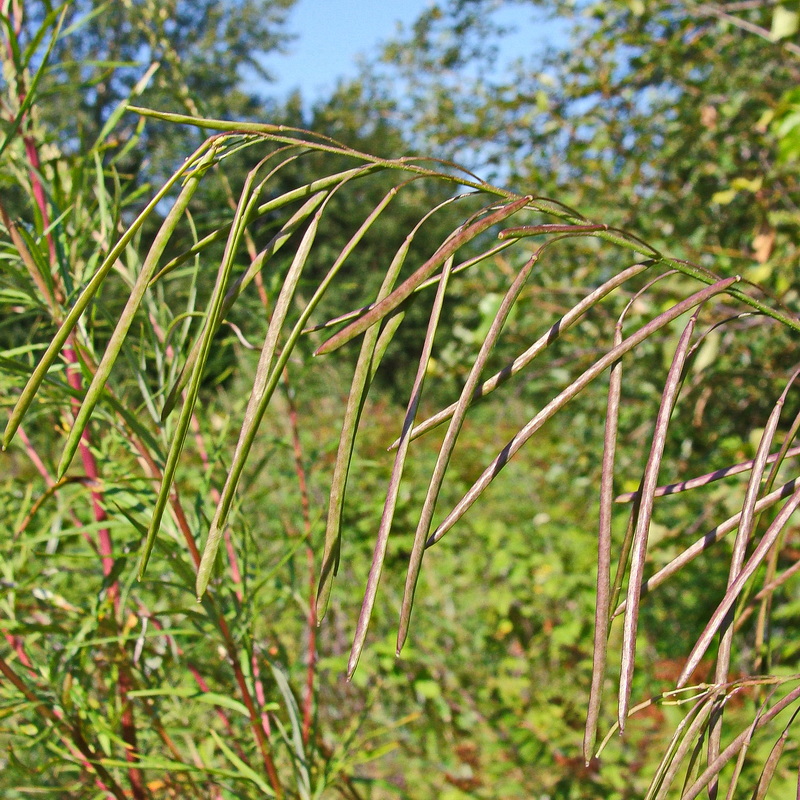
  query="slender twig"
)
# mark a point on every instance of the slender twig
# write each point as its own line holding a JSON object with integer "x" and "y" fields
{"x": 713, "y": 10}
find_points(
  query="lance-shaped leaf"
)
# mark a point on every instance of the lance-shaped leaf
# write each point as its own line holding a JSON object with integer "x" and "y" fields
{"x": 98, "y": 384}
{"x": 30, "y": 94}
{"x": 381, "y": 540}
{"x": 267, "y": 378}
{"x": 425, "y": 271}
{"x": 496, "y": 465}
{"x": 246, "y": 201}
{"x": 276, "y": 243}
{"x": 243, "y": 770}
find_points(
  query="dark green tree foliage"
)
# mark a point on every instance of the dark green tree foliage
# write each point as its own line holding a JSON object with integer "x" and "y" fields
{"x": 671, "y": 121}
{"x": 670, "y": 105}
{"x": 202, "y": 56}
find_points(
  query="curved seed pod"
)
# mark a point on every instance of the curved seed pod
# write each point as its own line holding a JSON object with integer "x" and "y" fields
{"x": 639, "y": 548}
{"x": 602, "y": 614}
{"x": 737, "y": 744}
{"x": 423, "y": 273}
{"x": 710, "y": 477}
{"x": 744, "y": 534}
{"x": 382, "y": 538}
{"x": 705, "y": 542}
{"x": 568, "y": 394}
{"x": 544, "y": 341}
{"x": 372, "y": 348}
{"x": 736, "y": 587}
{"x": 277, "y": 242}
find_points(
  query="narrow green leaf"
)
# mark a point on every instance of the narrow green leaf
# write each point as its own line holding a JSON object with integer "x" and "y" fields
{"x": 246, "y": 200}
{"x": 116, "y": 115}
{"x": 369, "y": 357}
{"x": 63, "y": 333}
{"x": 187, "y": 693}
{"x": 244, "y": 770}
{"x": 30, "y": 94}
{"x": 299, "y": 760}
{"x": 259, "y": 397}
{"x": 117, "y": 339}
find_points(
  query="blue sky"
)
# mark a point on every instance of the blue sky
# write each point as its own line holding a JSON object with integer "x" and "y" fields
{"x": 331, "y": 34}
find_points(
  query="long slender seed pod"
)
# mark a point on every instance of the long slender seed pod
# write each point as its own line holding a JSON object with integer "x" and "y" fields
{"x": 744, "y": 534}
{"x": 639, "y": 549}
{"x": 390, "y": 503}
{"x": 603, "y": 594}
{"x": 369, "y": 358}
{"x": 568, "y": 394}
{"x": 423, "y": 273}
{"x": 544, "y": 341}
{"x": 715, "y": 535}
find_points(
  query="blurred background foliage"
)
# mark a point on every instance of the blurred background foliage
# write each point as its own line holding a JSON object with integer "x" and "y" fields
{"x": 677, "y": 121}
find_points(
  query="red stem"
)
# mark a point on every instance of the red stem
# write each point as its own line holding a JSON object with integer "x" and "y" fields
{"x": 72, "y": 737}
{"x": 90, "y": 465}
{"x": 90, "y": 468}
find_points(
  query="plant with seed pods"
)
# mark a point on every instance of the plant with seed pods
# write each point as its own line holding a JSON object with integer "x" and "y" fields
{"x": 497, "y": 221}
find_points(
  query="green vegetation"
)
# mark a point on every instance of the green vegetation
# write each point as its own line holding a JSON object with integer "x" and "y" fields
{"x": 213, "y": 328}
